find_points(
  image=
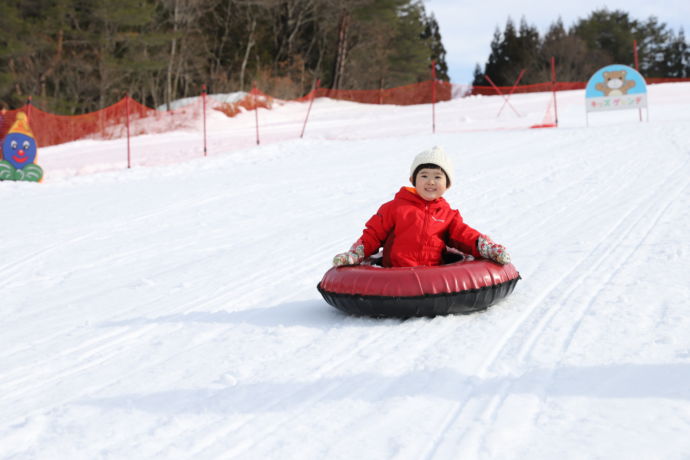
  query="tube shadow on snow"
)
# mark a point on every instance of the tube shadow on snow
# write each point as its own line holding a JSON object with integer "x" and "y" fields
{"x": 307, "y": 313}
{"x": 627, "y": 381}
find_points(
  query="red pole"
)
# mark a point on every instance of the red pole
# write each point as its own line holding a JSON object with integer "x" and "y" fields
{"x": 256, "y": 112}
{"x": 553, "y": 88}
{"x": 129, "y": 150}
{"x": 203, "y": 98}
{"x": 311, "y": 101}
{"x": 433, "y": 96}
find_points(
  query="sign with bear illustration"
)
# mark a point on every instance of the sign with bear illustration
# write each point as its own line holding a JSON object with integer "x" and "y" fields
{"x": 615, "y": 87}
{"x": 17, "y": 161}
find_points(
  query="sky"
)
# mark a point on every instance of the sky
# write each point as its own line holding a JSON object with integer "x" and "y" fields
{"x": 467, "y": 28}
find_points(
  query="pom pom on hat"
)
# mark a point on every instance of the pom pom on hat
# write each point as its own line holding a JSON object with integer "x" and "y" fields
{"x": 437, "y": 156}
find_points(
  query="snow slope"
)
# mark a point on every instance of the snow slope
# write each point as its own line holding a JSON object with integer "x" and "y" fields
{"x": 172, "y": 312}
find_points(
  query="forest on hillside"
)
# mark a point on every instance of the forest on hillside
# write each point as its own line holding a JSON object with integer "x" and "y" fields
{"x": 75, "y": 56}
{"x": 604, "y": 37}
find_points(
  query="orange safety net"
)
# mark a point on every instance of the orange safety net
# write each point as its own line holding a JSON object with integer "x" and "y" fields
{"x": 534, "y": 88}
{"x": 424, "y": 92}
{"x": 558, "y": 86}
{"x": 652, "y": 81}
{"x": 109, "y": 123}
{"x": 128, "y": 117}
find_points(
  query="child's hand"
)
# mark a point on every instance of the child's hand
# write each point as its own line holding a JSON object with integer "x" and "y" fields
{"x": 490, "y": 250}
{"x": 352, "y": 257}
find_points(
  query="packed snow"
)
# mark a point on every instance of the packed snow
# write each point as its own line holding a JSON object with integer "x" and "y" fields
{"x": 171, "y": 311}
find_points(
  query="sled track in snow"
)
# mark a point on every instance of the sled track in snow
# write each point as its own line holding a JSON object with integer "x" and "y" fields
{"x": 207, "y": 436}
{"x": 622, "y": 238}
{"x": 318, "y": 391}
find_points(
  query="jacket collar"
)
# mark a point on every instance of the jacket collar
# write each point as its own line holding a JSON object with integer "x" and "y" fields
{"x": 410, "y": 194}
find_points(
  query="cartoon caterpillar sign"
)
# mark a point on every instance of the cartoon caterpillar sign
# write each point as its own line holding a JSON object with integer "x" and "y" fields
{"x": 615, "y": 87}
{"x": 19, "y": 153}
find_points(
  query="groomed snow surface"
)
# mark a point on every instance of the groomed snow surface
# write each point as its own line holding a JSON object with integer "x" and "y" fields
{"x": 172, "y": 311}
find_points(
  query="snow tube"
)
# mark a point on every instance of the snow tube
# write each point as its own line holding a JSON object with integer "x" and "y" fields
{"x": 460, "y": 287}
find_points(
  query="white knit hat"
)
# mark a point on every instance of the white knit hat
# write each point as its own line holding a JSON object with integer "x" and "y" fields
{"x": 437, "y": 156}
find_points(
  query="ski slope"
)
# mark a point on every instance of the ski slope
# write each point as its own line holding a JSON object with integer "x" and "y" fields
{"x": 172, "y": 312}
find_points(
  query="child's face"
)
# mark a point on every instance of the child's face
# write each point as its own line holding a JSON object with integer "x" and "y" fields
{"x": 430, "y": 183}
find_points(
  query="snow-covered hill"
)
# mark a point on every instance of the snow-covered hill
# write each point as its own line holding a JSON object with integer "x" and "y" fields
{"x": 172, "y": 312}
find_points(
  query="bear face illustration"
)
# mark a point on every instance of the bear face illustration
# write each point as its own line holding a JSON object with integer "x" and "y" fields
{"x": 615, "y": 84}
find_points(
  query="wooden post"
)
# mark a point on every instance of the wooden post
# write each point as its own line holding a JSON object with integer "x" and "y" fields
{"x": 553, "y": 88}
{"x": 129, "y": 149}
{"x": 637, "y": 67}
{"x": 381, "y": 91}
{"x": 311, "y": 101}
{"x": 433, "y": 97}
{"x": 203, "y": 97}
{"x": 256, "y": 112}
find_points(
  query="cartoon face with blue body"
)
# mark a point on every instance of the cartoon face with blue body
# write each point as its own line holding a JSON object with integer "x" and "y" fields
{"x": 19, "y": 153}
{"x": 19, "y": 149}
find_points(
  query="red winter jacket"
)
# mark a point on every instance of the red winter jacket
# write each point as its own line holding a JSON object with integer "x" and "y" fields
{"x": 415, "y": 232}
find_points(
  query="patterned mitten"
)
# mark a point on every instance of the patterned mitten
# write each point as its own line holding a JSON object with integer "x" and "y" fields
{"x": 352, "y": 257}
{"x": 490, "y": 250}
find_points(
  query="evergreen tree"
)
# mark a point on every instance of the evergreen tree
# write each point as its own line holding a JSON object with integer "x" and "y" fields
{"x": 432, "y": 34}
{"x": 528, "y": 47}
{"x": 410, "y": 57}
{"x": 496, "y": 60}
{"x": 604, "y": 37}
{"x": 652, "y": 41}
{"x": 12, "y": 48}
{"x": 507, "y": 61}
{"x": 478, "y": 76}
{"x": 388, "y": 45}
{"x": 511, "y": 52}
{"x": 574, "y": 61}
{"x": 673, "y": 60}
{"x": 609, "y": 32}
{"x": 75, "y": 56}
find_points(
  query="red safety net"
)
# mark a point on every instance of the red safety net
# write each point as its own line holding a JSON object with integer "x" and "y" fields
{"x": 109, "y": 123}
{"x": 534, "y": 88}
{"x": 424, "y": 92}
{"x": 509, "y": 108}
{"x": 558, "y": 86}
{"x": 652, "y": 81}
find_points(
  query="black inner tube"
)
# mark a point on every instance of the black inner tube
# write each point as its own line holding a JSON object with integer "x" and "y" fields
{"x": 463, "y": 302}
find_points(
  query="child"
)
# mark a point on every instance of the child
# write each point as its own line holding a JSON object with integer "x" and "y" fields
{"x": 415, "y": 227}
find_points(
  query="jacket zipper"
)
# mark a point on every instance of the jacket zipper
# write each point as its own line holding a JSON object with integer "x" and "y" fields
{"x": 424, "y": 236}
